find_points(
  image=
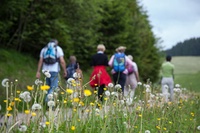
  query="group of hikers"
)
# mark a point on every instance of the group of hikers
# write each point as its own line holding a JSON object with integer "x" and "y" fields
{"x": 124, "y": 70}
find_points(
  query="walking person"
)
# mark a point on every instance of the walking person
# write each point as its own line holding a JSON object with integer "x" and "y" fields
{"x": 51, "y": 57}
{"x": 71, "y": 67}
{"x": 118, "y": 63}
{"x": 132, "y": 78}
{"x": 99, "y": 77}
{"x": 167, "y": 72}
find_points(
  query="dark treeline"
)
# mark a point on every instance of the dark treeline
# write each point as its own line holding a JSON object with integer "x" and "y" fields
{"x": 79, "y": 25}
{"x": 190, "y": 47}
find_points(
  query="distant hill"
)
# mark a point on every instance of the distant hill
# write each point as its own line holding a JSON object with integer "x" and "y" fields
{"x": 190, "y": 47}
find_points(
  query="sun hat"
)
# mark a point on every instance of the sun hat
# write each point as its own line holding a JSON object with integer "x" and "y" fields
{"x": 101, "y": 47}
{"x": 120, "y": 48}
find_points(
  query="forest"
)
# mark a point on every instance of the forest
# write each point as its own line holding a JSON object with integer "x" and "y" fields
{"x": 27, "y": 25}
{"x": 189, "y": 47}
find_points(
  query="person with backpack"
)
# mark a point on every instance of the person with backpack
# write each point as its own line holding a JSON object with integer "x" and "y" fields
{"x": 71, "y": 67}
{"x": 118, "y": 63}
{"x": 132, "y": 78}
{"x": 99, "y": 77}
{"x": 51, "y": 57}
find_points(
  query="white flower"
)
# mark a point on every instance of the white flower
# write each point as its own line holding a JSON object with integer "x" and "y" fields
{"x": 46, "y": 73}
{"x": 70, "y": 81}
{"x": 50, "y": 96}
{"x": 198, "y": 128}
{"x": 36, "y": 106}
{"x": 139, "y": 83}
{"x": 177, "y": 86}
{"x": 147, "y": 86}
{"x": 42, "y": 124}
{"x": 125, "y": 115}
{"x": 147, "y": 131}
{"x": 110, "y": 85}
{"x": 107, "y": 93}
{"x": 38, "y": 82}
{"x": 118, "y": 86}
{"x": 27, "y": 98}
{"x": 148, "y": 90}
{"x": 114, "y": 94}
{"x": 97, "y": 110}
{"x": 77, "y": 75}
{"x": 51, "y": 103}
{"x": 4, "y": 82}
{"x": 129, "y": 101}
{"x": 122, "y": 102}
{"x": 22, "y": 128}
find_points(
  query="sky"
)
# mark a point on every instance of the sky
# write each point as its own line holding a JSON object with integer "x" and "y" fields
{"x": 173, "y": 20}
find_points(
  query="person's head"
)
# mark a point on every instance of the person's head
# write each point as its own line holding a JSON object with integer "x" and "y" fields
{"x": 101, "y": 47}
{"x": 55, "y": 41}
{"x": 168, "y": 58}
{"x": 121, "y": 49}
{"x": 72, "y": 59}
{"x": 130, "y": 57}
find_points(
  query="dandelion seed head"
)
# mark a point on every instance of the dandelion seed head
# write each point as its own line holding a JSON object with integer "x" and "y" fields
{"x": 36, "y": 106}
{"x": 4, "y": 82}
{"x": 139, "y": 83}
{"x": 147, "y": 131}
{"x": 107, "y": 93}
{"x": 198, "y": 128}
{"x": 51, "y": 103}
{"x": 110, "y": 85}
{"x": 22, "y": 128}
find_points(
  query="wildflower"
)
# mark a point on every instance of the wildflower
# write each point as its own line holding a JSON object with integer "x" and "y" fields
{"x": 8, "y": 114}
{"x": 9, "y": 108}
{"x": 198, "y": 128}
{"x": 18, "y": 92}
{"x": 177, "y": 86}
{"x": 192, "y": 114}
{"x": 44, "y": 87}
{"x": 70, "y": 81}
{"x": 139, "y": 83}
{"x": 22, "y": 128}
{"x": 50, "y": 96}
{"x": 87, "y": 92}
{"x": 36, "y": 106}
{"x": 147, "y": 131}
{"x": 97, "y": 110}
{"x": 165, "y": 128}
{"x": 105, "y": 98}
{"x": 170, "y": 122}
{"x": 114, "y": 94}
{"x": 95, "y": 92}
{"x": 69, "y": 91}
{"x": 110, "y": 85}
{"x": 104, "y": 89}
{"x": 64, "y": 101}
{"x": 92, "y": 104}
{"x": 75, "y": 94}
{"x": 27, "y": 111}
{"x": 122, "y": 102}
{"x": 73, "y": 128}
{"x": 4, "y": 82}
{"x": 76, "y": 75}
{"x": 158, "y": 119}
{"x": 148, "y": 90}
{"x": 30, "y": 88}
{"x": 140, "y": 115}
{"x": 51, "y": 103}
{"x": 107, "y": 93}
{"x": 158, "y": 127}
{"x": 33, "y": 114}
{"x": 81, "y": 103}
{"x": 17, "y": 99}
{"x": 38, "y": 82}
{"x": 118, "y": 86}
{"x": 46, "y": 73}
{"x": 76, "y": 99}
{"x": 47, "y": 122}
{"x": 74, "y": 109}
{"x": 62, "y": 93}
{"x": 42, "y": 124}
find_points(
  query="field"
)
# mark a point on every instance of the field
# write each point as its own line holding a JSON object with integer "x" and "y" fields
{"x": 77, "y": 109}
{"x": 187, "y": 72}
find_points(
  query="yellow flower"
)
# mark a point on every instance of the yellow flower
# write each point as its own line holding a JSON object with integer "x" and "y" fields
{"x": 158, "y": 119}
{"x": 81, "y": 103}
{"x": 158, "y": 127}
{"x": 76, "y": 100}
{"x": 105, "y": 98}
{"x": 95, "y": 92}
{"x": 18, "y": 92}
{"x": 114, "y": 104}
{"x": 69, "y": 91}
{"x": 64, "y": 101}
{"x": 104, "y": 89}
{"x": 170, "y": 122}
{"x": 5, "y": 101}
{"x": 44, "y": 87}
{"x": 47, "y": 122}
{"x": 30, "y": 88}
{"x": 92, "y": 104}
{"x": 192, "y": 114}
{"x": 73, "y": 128}
{"x": 9, "y": 108}
{"x": 140, "y": 115}
{"x": 135, "y": 126}
{"x": 17, "y": 99}
{"x": 27, "y": 111}
{"x": 165, "y": 128}
{"x": 33, "y": 114}
{"x": 8, "y": 114}
{"x": 87, "y": 92}
{"x": 12, "y": 103}
{"x": 62, "y": 93}
{"x": 74, "y": 109}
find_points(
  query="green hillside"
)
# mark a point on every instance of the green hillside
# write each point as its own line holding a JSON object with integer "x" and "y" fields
{"x": 187, "y": 71}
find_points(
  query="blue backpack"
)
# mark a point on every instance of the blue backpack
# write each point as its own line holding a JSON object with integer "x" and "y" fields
{"x": 71, "y": 69}
{"x": 50, "y": 53}
{"x": 119, "y": 62}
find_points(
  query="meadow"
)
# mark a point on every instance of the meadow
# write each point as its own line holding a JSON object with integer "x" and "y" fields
{"x": 76, "y": 108}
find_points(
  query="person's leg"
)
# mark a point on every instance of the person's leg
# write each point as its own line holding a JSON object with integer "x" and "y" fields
{"x": 127, "y": 87}
{"x": 171, "y": 89}
{"x": 52, "y": 82}
{"x": 122, "y": 80}
{"x": 100, "y": 92}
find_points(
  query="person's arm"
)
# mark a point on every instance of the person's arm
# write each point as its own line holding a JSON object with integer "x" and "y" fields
{"x": 39, "y": 67}
{"x": 111, "y": 61}
{"x": 63, "y": 65}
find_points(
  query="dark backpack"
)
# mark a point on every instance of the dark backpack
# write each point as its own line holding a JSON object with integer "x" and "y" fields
{"x": 119, "y": 62}
{"x": 50, "y": 53}
{"x": 71, "y": 69}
